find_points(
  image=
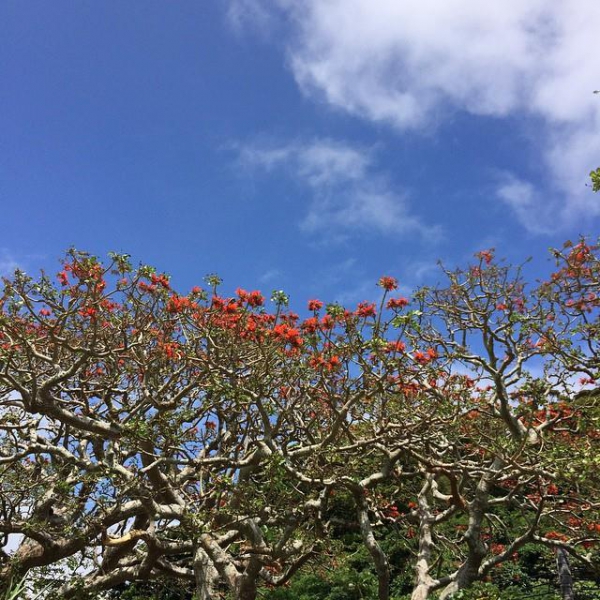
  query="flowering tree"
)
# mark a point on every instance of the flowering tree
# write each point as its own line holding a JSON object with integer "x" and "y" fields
{"x": 510, "y": 431}
{"x": 137, "y": 425}
{"x": 476, "y": 415}
{"x": 147, "y": 434}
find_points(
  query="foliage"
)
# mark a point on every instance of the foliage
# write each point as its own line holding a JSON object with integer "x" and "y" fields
{"x": 157, "y": 590}
{"x": 595, "y": 177}
{"x": 14, "y": 590}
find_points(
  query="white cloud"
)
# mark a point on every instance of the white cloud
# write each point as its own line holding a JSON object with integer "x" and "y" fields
{"x": 347, "y": 194}
{"x": 410, "y": 63}
{"x": 270, "y": 275}
{"x": 524, "y": 200}
{"x": 242, "y": 13}
{"x": 262, "y": 16}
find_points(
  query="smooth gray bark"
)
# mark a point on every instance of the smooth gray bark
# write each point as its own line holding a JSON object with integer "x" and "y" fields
{"x": 379, "y": 557}
{"x": 564, "y": 575}
{"x": 206, "y": 576}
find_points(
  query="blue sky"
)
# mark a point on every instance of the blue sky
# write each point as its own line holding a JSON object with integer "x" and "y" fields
{"x": 311, "y": 146}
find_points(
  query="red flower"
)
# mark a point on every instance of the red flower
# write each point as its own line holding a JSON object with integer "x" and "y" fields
{"x": 218, "y": 302}
{"x": 486, "y": 255}
{"x": 45, "y": 312}
{"x": 90, "y": 312}
{"x": 327, "y": 322}
{"x": 171, "y": 350}
{"x": 397, "y": 302}
{"x": 424, "y": 358}
{"x": 315, "y": 305}
{"x": 177, "y": 304}
{"x": 388, "y": 283}
{"x": 554, "y": 535}
{"x": 310, "y": 325}
{"x": 160, "y": 280}
{"x": 288, "y": 334}
{"x": 280, "y": 330}
{"x": 365, "y": 309}
{"x": 292, "y": 333}
{"x": 420, "y": 357}
{"x": 293, "y": 338}
{"x": 333, "y": 363}
{"x": 231, "y": 307}
{"x": 316, "y": 361}
{"x": 63, "y": 278}
{"x": 255, "y": 298}
{"x": 395, "y": 347}
{"x": 497, "y": 548}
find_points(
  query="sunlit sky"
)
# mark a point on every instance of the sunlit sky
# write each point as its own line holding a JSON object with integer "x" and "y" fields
{"x": 309, "y": 146}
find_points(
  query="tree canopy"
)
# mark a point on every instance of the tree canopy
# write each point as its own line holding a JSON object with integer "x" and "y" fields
{"x": 153, "y": 435}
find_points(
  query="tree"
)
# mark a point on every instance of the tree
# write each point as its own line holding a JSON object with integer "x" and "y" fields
{"x": 505, "y": 438}
{"x": 134, "y": 424}
{"x": 595, "y": 177}
{"x": 149, "y": 435}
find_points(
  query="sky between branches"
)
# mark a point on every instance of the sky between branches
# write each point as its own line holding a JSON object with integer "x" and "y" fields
{"x": 311, "y": 146}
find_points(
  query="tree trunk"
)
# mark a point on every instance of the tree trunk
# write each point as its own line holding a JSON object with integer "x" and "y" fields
{"x": 468, "y": 572}
{"x": 247, "y": 590}
{"x": 206, "y": 575}
{"x": 423, "y": 584}
{"x": 564, "y": 575}
{"x": 377, "y": 554}
{"x": 247, "y": 583}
